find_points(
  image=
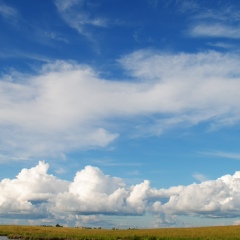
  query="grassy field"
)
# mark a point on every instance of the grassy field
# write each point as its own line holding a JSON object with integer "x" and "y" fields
{"x": 57, "y": 233}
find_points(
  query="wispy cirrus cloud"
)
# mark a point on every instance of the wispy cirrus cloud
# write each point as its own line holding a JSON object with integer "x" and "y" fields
{"x": 222, "y": 45}
{"x": 215, "y": 30}
{"x": 76, "y": 17}
{"x": 221, "y": 154}
{"x": 200, "y": 177}
{"x": 189, "y": 6}
{"x": 222, "y": 21}
{"x": 7, "y": 12}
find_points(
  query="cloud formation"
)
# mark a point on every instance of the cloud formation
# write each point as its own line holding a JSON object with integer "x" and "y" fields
{"x": 220, "y": 154}
{"x": 7, "y": 12}
{"x": 25, "y": 196}
{"x": 210, "y": 198}
{"x": 215, "y": 31}
{"x": 190, "y": 88}
{"x": 35, "y": 194}
{"x": 76, "y": 17}
{"x": 68, "y": 106}
{"x": 219, "y": 22}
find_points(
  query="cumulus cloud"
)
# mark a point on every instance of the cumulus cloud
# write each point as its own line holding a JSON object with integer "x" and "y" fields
{"x": 67, "y": 106}
{"x": 36, "y": 194}
{"x": 216, "y": 198}
{"x": 27, "y": 193}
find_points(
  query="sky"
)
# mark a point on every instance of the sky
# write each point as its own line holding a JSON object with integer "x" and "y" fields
{"x": 117, "y": 113}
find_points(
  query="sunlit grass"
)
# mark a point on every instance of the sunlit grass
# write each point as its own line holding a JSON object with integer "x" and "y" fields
{"x": 57, "y": 233}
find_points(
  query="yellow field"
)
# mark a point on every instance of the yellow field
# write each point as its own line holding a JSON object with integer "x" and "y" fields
{"x": 55, "y": 233}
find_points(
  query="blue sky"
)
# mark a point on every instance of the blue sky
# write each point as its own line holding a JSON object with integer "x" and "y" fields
{"x": 119, "y": 113}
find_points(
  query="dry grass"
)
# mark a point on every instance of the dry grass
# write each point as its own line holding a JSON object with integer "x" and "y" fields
{"x": 57, "y": 233}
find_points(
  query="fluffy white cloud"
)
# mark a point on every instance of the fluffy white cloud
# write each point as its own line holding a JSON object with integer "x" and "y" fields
{"x": 31, "y": 188}
{"x": 216, "y": 198}
{"x": 54, "y": 112}
{"x": 92, "y": 192}
{"x": 36, "y": 194}
{"x": 68, "y": 106}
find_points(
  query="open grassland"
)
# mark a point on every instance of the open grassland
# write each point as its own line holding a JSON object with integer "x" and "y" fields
{"x": 59, "y": 233}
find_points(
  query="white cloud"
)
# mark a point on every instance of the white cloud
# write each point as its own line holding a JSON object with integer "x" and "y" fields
{"x": 76, "y": 17}
{"x": 217, "y": 198}
{"x": 229, "y": 155}
{"x": 65, "y": 5}
{"x": 36, "y": 194}
{"x": 222, "y": 45}
{"x": 218, "y": 21}
{"x": 221, "y": 21}
{"x": 192, "y": 87}
{"x": 222, "y": 12}
{"x": 54, "y": 112}
{"x": 215, "y": 31}
{"x": 68, "y": 106}
{"x": 200, "y": 177}
{"x": 26, "y": 195}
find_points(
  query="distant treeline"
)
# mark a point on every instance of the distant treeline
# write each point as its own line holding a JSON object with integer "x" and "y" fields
{"x": 86, "y": 233}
